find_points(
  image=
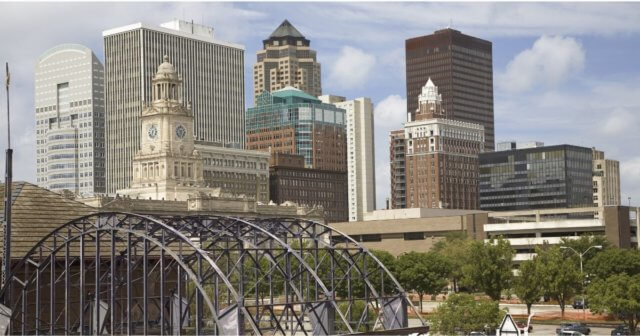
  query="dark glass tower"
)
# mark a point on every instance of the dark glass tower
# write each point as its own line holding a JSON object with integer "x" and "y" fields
{"x": 536, "y": 178}
{"x": 462, "y": 69}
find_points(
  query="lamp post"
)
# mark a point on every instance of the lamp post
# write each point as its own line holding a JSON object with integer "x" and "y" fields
{"x": 584, "y": 300}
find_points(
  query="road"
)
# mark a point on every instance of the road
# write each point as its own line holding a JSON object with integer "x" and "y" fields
{"x": 517, "y": 309}
{"x": 547, "y": 329}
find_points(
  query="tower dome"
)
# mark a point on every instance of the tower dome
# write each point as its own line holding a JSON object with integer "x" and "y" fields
{"x": 166, "y": 69}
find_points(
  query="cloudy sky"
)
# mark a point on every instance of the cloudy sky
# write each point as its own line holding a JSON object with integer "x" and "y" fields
{"x": 563, "y": 72}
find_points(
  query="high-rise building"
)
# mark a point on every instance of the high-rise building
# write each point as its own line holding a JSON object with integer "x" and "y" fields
{"x": 606, "y": 180}
{"x": 69, "y": 108}
{"x": 360, "y": 153}
{"x": 292, "y": 182}
{"x": 293, "y": 122}
{"x": 167, "y": 166}
{"x": 535, "y": 178}
{"x": 286, "y": 60}
{"x": 397, "y": 151}
{"x": 212, "y": 71}
{"x": 461, "y": 66}
{"x": 440, "y": 158}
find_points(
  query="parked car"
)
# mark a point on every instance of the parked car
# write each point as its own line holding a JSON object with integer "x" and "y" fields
{"x": 522, "y": 325}
{"x": 477, "y": 333}
{"x": 621, "y": 330}
{"x": 573, "y": 328}
{"x": 580, "y": 303}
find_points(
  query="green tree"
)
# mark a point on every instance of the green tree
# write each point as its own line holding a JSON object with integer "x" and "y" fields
{"x": 618, "y": 295}
{"x": 454, "y": 248}
{"x": 584, "y": 242}
{"x": 613, "y": 261}
{"x": 425, "y": 273}
{"x": 527, "y": 284}
{"x": 461, "y": 313}
{"x": 488, "y": 267}
{"x": 559, "y": 274}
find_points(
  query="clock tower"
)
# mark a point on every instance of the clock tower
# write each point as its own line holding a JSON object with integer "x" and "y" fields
{"x": 167, "y": 166}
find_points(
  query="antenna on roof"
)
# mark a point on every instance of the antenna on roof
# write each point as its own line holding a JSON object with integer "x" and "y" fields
{"x": 450, "y": 23}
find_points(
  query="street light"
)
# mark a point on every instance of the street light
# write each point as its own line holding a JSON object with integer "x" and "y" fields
{"x": 584, "y": 299}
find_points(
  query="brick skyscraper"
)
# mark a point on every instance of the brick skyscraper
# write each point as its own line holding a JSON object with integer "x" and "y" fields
{"x": 461, "y": 66}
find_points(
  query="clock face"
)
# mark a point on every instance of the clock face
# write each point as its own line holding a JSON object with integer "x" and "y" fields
{"x": 181, "y": 132}
{"x": 152, "y": 132}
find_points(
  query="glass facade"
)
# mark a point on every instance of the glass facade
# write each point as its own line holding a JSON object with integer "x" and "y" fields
{"x": 307, "y": 120}
{"x": 536, "y": 178}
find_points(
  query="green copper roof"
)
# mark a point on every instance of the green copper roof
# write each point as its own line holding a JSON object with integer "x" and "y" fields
{"x": 290, "y": 91}
{"x": 286, "y": 29}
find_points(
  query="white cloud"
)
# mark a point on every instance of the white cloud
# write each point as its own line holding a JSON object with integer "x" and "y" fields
{"x": 550, "y": 61}
{"x": 389, "y": 114}
{"x": 620, "y": 120}
{"x": 352, "y": 68}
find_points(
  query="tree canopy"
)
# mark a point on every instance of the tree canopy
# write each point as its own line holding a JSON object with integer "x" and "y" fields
{"x": 454, "y": 248}
{"x": 461, "y": 313}
{"x": 613, "y": 261}
{"x": 488, "y": 267}
{"x": 527, "y": 284}
{"x": 618, "y": 295}
{"x": 559, "y": 274}
{"x": 425, "y": 273}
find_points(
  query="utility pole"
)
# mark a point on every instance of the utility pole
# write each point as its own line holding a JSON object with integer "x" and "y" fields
{"x": 6, "y": 256}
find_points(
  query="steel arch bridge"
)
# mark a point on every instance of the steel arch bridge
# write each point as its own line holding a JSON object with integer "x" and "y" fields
{"x": 124, "y": 273}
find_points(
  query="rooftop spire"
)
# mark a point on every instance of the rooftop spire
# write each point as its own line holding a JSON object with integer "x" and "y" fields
{"x": 286, "y": 29}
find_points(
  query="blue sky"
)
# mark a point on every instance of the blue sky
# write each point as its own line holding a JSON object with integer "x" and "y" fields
{"x": 563, "y": 72}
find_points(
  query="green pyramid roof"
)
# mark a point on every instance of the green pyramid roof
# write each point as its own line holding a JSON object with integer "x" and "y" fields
{"x": 286, "y": 29}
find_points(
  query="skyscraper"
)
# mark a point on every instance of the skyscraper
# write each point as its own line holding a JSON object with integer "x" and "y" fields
{"x": 291, "y": 121}
{"x": 461, "y": 66}
{"x": 69, "y": 108}
{"x": 360, "y": 153}
{"x": 213, "y": 75}
{"x": 536, "y": 178}
{"x": 440, "y": 158}
{"x": 286, "y": 60}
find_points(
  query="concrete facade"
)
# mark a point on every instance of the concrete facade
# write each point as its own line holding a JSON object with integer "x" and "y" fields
{"x": 286, "y": 60}
{"x": 69, "y": 111}
{"x": 400, "y": 231}
{"x": 530, "y": 228}
{"x": 213, "y": 73}
{"x": 606, "y": 180}
{"x": 360, "y": 153}
{"x": 235, "y": 171}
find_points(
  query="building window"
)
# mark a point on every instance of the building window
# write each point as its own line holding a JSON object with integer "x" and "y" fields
{"x": 371, "y": 238}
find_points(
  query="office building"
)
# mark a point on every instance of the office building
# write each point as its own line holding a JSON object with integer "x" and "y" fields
{"x": 290, "y": 181}
{"x": 606, "y": 180}
{"x": 360, "y": 153}
{"x": 293, "y": 122}
{"x": 535, "y": 178}
{"x": 235, "y": 171}
{"x": 509, "y": 145}
{"x": 286, "y": 60}
{"x": 397, "y": 150}
{"x": 167, "y": 166}
{"x": 440, "y": 158}
{"x": 461, "y": 66}
{"x": 69, "y": 110}
{"x": 212, "y": 71}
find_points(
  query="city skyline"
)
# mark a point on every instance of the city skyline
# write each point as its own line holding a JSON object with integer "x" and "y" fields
{"x": 592, "y": 82}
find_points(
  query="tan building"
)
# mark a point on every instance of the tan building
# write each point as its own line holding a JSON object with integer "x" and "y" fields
{"x": 399, "y": 231}
{"x": 286, "y": 60}
{"x": 235, "y": 171}
{"x": 167, "y": 166}
{"x": 360, "y": 153}
{"x": 440, "y": 158}
{"x": 292, "y": 182}
{"x": 417, "y": 229}
{"x": 606, "y": 180}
